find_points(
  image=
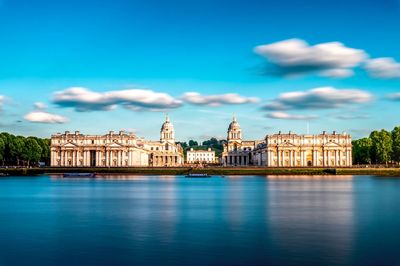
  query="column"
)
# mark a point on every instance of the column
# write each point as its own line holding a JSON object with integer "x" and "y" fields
{"x": 130, "y": 163}
{"x": 291, "y": 158}
{"x": 329, "y": 157}
{"x": 336, "y": 158}
{"x": 73, "y": 157}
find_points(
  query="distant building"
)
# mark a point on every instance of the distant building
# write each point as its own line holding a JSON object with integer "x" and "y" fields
{"x": 115, "y": 150}
{"x": 200, "y": 156}
{"x": 237, "y": 152}
{"x": 293, "y": 150}
{"x": 287, "y": 150}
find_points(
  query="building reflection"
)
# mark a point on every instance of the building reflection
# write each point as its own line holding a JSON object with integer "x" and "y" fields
{"x": 311, "y": 215}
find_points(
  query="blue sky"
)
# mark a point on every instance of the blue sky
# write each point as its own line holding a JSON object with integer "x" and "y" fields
{"x": 119, "y": 50}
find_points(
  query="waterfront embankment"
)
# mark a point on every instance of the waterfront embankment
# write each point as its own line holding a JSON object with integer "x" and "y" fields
{"x": 208, "y": 170}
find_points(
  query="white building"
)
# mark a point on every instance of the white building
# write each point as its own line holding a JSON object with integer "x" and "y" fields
{"x": 200, "y": 156}
{"x": 115, "y": 150}
{"x": 287, "y": 150}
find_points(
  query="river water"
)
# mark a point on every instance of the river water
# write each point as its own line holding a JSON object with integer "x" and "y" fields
{"x": 173, "y": 220}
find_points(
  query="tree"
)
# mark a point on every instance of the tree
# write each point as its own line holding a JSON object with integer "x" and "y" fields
{"x": 16, "y": 146}
{"x": 362, "y": 151}
{"x": 381, "y": 148}
{"x": 193, "y": 143}
{"x": 396, "y": 144}
{"x": 184, "y": 145}
{"x": 32, "y": 151}
{"x": 2, "y": 149}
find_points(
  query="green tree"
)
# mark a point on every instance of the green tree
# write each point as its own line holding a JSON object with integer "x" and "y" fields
{"x": 184, "y": 145}
{"x": 381, "y": 148}
{"x": 32, "y": 151}
{"x": 16, "y": 146}
{"x": 396, "y": 144}
{"x": 362, "y": 151}
{"x": 2, "y": 149}
{"x": 193, "y": 143}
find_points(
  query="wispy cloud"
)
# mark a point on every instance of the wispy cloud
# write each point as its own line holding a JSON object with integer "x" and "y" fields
{"x": 287, "y": 116}
{"x": 393, "y": 96}
{"x": 318, "y": 98}
{"x": 2, "y": 99}
{"x": 296, "y": 57}
{"x": 39, "y": 115}
{"x": 217, "y": 99}
{"x": 351, "y": 116}
{"x": 383, "y": 68}
{"x": 83, "y": 99}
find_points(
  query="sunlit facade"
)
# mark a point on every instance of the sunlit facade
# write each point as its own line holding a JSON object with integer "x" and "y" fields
{"x": 115, "y": 149}
{"x": 287, "y": 150}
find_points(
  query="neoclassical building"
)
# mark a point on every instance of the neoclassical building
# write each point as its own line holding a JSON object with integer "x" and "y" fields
{"x": 287, "y": 150}
{"x": 293, "y": 150}
{"x": 116, "y": 149}
{"x": 200, "y": 156}
{"x": 237, "y": 152}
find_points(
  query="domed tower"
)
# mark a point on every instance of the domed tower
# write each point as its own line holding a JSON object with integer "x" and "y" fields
{"x": 167, "y": 132}
{"x": 234, "y": 131}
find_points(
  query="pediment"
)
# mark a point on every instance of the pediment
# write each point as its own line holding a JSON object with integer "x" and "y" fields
{"x": 70, "y": 145}
{"x": 114, "y": 145}
{"x": 286, "y": 145}
{"x": 332, "y": 144}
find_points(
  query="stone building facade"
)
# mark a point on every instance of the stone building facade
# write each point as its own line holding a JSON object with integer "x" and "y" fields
{"x": 237, "y": 152}
{"x": 287, "y": 150}
{"x": 115, "y": 149}
{"x": 293, "y": 150}
{"x": 200, "y": 156}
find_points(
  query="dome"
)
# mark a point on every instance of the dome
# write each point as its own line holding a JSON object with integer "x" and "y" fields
{"x": 167, "y": 125}
{"x": 233, "y": 125}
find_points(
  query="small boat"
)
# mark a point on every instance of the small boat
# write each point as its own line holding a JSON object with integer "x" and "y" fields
{"x": 79, "y": 175}
{"x": 198, "y": 175}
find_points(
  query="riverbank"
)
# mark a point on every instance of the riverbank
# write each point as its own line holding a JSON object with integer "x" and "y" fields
{"x": 209, "y": 170}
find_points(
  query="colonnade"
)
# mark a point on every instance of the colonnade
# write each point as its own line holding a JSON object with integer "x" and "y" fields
{"x": 324, "y": 158}
{"x": 98, "y": 157}
{"x": 163, "y": 160}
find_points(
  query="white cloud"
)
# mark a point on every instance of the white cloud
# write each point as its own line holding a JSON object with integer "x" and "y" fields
{"x": 318, "y": 98}
{"x": 44, "y": 117}
{"x": 83, "y": 99}
{"x": 337, "y": 73}
{"x": 217, "y": 100}
{"x": 2, "y": 99}
{"x": 352, "y": 116}
{"x": 297, "y": 57}
{"x": 384, "y": 68}
{"x": 40, "y": 106}
{"x": 287, "y": 116}
{"x": 394, "y": 96}
{"x": 39, "y": 115}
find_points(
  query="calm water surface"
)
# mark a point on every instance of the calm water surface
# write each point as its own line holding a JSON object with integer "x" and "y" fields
{"x": 172, "y": 220}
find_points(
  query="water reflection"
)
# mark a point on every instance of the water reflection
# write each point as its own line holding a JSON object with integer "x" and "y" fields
{"x": 311, "y": 215}
{"x": 241, "y": 220}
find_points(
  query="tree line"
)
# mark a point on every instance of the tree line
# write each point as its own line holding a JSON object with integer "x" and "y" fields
{"x": 213, "y": 143}
{"x": 381, "y": 147}
{"x": 23, "y": 151}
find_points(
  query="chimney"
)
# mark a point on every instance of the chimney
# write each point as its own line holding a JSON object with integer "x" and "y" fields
{"x": 279, "y": 132}
{"x": 111, "y": 132}
{"x": 334, "y": 132}
{"x": 121, "y": 132}
{"x": 324, "y": 132}
{"x": 290, "y": 132}
{"x": 66, "y": 132}
{"x": 77, "y": 132}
